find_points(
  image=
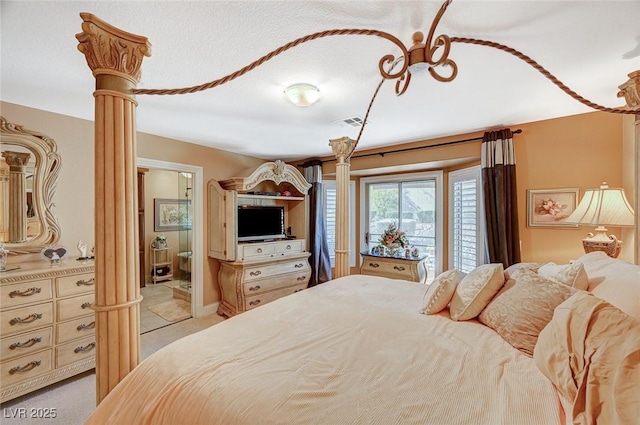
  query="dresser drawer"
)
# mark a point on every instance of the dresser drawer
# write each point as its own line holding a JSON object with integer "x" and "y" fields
{"x": 71, "y": 308}
{"x": 25, "y": 367}
{"x": 77, "y": 328}
{"x": 25, "y": 292}
{"x": 26, "y": 318}
{"x": 29, "y": 342}
{"x": 268, "y": 270}
{"x": 395, "y": 270}
{"x": 76, "y": 284}
{"x": 264, "y": 298}
{"x": 260, "y": 286}
{"x": 289, "y": 247}
{"x": 75, "y": 351}
{"x": 255, "y": 250}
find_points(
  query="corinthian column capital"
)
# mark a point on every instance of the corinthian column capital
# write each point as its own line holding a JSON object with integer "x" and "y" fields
{"x": 630, "y": 90}
{"x": 110, "y": 50}
{"x": 342, "y": 147}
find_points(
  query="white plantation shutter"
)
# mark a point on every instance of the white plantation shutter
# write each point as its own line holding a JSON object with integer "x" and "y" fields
{"x": 329, "y": 193}
{"x": 466, "y": 223}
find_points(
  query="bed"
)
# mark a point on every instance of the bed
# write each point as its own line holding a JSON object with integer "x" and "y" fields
{"x": 356, "y": 350}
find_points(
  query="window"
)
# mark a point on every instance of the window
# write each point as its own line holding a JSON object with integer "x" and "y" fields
{"x": 329, "y": 194}
{"x": 466, "y": 222}
{"x": 411, "y": 202}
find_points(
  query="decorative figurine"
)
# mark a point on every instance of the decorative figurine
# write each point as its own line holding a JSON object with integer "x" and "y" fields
{"x": 82, "y": 247}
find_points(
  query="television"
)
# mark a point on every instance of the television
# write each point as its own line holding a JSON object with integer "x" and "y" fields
{"x": 259, "y": 223}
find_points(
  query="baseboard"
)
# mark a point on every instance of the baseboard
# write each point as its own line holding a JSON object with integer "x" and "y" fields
{"x": 208, "y": 309}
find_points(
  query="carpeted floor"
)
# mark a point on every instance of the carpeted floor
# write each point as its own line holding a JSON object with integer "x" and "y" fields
{"x": 173, "y": 310}
{"x": 74, "y": 399}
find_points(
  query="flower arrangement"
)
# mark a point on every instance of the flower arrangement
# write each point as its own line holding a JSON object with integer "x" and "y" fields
{"x": 160, "y": 241}
{"x": 551, "y": 207}
{"x": 393, "y": 238}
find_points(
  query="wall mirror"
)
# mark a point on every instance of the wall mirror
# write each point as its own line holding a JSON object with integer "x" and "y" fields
{"x": 29, "y": 167}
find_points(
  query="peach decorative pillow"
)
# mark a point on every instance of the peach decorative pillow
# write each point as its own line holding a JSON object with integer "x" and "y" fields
{"x": 440, "y": 292}
{"x": 572, "y": 274}
{"x": 523, "y": 307}
{"x": 475, "y": 290}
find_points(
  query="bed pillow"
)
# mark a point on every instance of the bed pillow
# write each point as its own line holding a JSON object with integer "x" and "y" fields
{"x": 523, "y": 307}
{"x": 517, "y": 266}
{"x": 475, "y": 290}
{"x": 572, "y": 274}
{"x": 440, "y": 292}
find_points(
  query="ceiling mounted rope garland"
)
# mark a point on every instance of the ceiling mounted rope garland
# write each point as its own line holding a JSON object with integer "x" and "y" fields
{"x": 420, "y": 56}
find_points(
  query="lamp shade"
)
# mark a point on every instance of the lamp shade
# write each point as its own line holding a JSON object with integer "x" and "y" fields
{"x": 603, "y": 207}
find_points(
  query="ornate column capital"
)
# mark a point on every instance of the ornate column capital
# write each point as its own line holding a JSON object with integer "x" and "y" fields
{"x": 630, "y": 90}
{"x": 342, "y": 147}
{"x": 110, "y": 50}
{"x": 16, "y": 159}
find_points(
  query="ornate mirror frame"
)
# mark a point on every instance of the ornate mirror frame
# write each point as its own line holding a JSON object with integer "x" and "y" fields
{"x": 45, "y": 179}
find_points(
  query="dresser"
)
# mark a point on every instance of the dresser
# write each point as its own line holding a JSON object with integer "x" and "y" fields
{"x": 407, "y": 268}
{"x": 46, "y": 325}
{"x": 264, "y": 272}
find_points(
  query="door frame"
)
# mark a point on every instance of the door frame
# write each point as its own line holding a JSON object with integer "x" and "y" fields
{"x": 197, "y": 273}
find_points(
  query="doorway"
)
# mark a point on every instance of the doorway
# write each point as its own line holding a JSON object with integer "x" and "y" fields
{"x": 173, "y": 269}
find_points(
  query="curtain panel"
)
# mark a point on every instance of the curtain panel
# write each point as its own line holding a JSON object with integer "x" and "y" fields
{"x": 500, "y": 197}
{"x": 319, "y": 259}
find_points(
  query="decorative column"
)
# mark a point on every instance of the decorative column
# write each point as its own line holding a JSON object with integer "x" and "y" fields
{"x": 630, "y": 90}
{"x": 17, "y": 162}
{"x": 342, "y": 148}
{"x": 115, "y": 57}
{"x": 4, "y": 202}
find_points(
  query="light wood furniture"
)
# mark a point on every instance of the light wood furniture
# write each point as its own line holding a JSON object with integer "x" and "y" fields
{"x": 253, "y": 274}
{"x": 161, "y": 258}
{"x": 407, "y": 268}
{"x": 47, "y": 325}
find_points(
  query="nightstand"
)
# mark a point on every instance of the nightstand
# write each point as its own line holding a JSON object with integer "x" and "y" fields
{"x": 407, "y": 268}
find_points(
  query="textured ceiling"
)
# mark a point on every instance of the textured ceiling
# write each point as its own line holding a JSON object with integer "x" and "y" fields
{"x": 589, "y": 45}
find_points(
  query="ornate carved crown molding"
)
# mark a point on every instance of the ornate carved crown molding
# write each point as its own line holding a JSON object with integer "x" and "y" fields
{"x": 277, "y": 172}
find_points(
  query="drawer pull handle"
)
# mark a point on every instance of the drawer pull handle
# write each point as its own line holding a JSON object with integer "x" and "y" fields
{"x": 84, "y": 326}
{"x": 256, "y": 273}
{"x": 86, "y": 305}
{"x": 30, "y": 318}
{"x": 288, "y": 246}
{"x": 254, "y": 288}
{"x": 26, "y": 368}
{"x": 83, "y": 282}
{"x": 298, "y": 290}
{"x": 256, "y": 302}
{"x": 29, "y": 343}
{"x": 85, "y": 349}
{"x": 374, "y": 265}
{"x": 301, "y": 278}
{"x": 259, "y": 250}
{"x": 299, "y": 265}
{"x": 399, "y": 268}
{"x": 25, "y": 293}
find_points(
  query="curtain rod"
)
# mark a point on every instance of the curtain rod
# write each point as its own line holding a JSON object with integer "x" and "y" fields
{"x": 453, "y": 142}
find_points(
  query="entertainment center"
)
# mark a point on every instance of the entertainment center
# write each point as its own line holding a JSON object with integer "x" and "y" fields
{"x": 258, "y": 230}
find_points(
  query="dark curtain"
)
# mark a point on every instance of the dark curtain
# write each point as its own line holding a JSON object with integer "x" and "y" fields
{"x": 320, "y": 261}
{"x": 500, "y": 197}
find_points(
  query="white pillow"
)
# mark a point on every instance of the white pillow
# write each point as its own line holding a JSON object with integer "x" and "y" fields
{"x": 572, "y": 274}
{"x": 475, "y": 290}
{"x": 440, "y": 292}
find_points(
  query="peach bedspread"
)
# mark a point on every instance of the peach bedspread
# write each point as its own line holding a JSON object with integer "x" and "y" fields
{"x": 351, "y": 351}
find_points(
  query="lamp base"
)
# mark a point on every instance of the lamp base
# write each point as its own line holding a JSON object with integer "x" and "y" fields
{"x": 610, "y": 245}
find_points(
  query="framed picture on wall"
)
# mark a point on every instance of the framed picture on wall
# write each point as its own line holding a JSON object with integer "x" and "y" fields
{"x": 172, "y": 214}
{"x": 551, "y": 207}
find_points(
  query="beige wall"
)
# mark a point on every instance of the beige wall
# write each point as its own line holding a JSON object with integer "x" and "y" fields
{"x": 579, "y": 151}
{"x": 74, "y": 195}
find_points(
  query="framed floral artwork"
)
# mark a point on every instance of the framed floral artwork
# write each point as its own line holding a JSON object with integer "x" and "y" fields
{"x": 551, "y": 207}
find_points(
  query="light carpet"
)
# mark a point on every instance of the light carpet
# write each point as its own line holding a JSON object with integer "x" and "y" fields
{"x": 173, "y": 310}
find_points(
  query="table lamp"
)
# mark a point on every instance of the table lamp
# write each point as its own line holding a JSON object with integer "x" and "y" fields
{"x": 602, "y": 207}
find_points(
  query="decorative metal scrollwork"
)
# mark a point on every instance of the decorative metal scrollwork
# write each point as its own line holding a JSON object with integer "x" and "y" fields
{"x": 26, "y": 368}
{"x": 85, "y": 349}
{"x": 30, "y": 318}
{"x": 84, "y": 326}
{"x": 29, "y": 343}
{"x": 25, "y": 293}
{"x": 83, "y": 282}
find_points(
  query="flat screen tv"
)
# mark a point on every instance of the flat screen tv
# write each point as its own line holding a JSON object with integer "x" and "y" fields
{"x": 259, "y": 223}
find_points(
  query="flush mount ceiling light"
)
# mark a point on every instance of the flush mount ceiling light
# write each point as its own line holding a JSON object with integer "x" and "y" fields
{"x": 302, "y": 94}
